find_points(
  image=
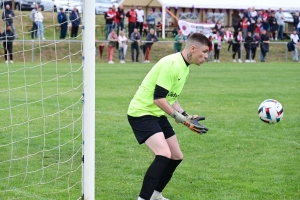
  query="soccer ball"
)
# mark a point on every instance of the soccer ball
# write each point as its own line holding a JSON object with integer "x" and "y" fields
{"x": 270, "y": 111}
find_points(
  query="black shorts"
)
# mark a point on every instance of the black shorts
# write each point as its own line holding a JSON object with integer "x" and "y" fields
{"x": 145, "y": 126}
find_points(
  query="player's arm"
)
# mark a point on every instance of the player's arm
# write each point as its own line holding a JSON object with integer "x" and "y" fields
{"x": 177, "y": 107}
{"x": 160, "y": 100}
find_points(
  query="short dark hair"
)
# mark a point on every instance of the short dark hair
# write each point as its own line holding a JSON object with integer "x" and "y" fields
{"x": 197, "y": 38}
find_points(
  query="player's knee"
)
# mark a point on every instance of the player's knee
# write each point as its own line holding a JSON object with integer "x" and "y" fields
{"x": 165, "y": 153}
{"x": 178, "y": 156}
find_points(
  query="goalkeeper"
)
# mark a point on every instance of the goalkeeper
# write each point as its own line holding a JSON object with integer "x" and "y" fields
{"x": 156, "y": 96}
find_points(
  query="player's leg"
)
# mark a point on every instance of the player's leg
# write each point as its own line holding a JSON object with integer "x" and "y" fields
{"x": 148, "y": 131}
{"x": 159, "y": 146}
{"x": 175, "y": 159}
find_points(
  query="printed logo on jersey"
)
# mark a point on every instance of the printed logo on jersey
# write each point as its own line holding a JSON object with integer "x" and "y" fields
{"x": 173, "y": 94}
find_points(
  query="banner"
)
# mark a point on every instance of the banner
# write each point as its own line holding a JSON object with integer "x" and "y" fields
{"x": 189, "y": 27}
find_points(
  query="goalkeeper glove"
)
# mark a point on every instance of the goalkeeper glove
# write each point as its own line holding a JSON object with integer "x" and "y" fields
{"x": 190, "y": 121}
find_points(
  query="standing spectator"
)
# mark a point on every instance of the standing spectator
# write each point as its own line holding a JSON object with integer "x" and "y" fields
{"x": 217, "y": 39}
{"x": 136, "y": 40}
{"x": 245, "y": 24}
{"x": 179, "y": 39}
{"x": 151, "y": 20}
{"x": 132, "y": 17}
{"x": 38, "y": 18}
{"x": 112, "y": 42}
{"x": 248, "y": 44}
{"x": 210, "y": 48}
{"x": 236, "y": 20}
{"x": 140, "y": 18}
{"x": 264, "y": 45}
{"x": 236, "y": 47}
{"x": 228, "y": 36}
{"x": 253, "y": 19}
{"x": 258, "y": 26}
{"x": 150, "y": 39}
{"x": 109, "y": 20}
{"x": 280, "y": 21}
{"x": 297, "y": 23}
{"x": 120, "y": 19}
{"x": 219, "y": 27}
{"x": 8, "y": 17}
{"x": 122, "y": 42}
{"x": 273, "y": 26}
{"x": 295, "y": 38}
{"x": 265, "y": 20}
{"x": 145, "y": 29}
{"x": 63, "y": 21}
{"x": 254, "y": 45}
{"x": 75, "y": 20}
{"x": 114, "y": 13}
{"x": 7, "y": 37}
{"x": 34, "y": 26}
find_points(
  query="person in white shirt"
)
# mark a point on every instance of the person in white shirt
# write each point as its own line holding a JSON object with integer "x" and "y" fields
{"x": 38, "y": 18}
{"x": 280, "y": 21}
{"x": 140, "y": 19}
{"x": 122, "y": 46}
{"x": 295, "y": 38}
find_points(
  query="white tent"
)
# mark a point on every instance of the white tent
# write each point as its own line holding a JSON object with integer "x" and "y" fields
{"x": 214, "y": 4}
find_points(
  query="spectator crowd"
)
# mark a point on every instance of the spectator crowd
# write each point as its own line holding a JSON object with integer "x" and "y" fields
{"x": 251, "y": 30}
{"x": 37, "y": 30}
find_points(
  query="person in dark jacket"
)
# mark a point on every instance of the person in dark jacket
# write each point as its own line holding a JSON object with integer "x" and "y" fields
{"x": 264, "y": 45}
{"x": 63, "y": 21}
{"x": 120, "y": 19}
{"x": 7, "y": 37}
{"x": 136, "y": 41}
{"x": 75, "y": 20}
{"x": 297, "y": 23}
{"x": 150, "y": 39}
{"x": 248, "y": 42}
{"x": 273, "y": 26}
{"x": 8, "y": 17}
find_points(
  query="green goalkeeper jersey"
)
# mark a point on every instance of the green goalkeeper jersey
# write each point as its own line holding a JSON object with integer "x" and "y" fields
{"x": 170, "y": 73}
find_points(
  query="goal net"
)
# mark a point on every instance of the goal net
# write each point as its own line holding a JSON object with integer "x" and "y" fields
{"x": 44, "y": 94}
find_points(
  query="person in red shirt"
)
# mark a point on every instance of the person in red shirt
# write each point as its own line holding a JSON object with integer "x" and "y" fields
{"x": 132, "y": 17}
{"x": 265, "y": 18}
{"x": 114, "y": 12}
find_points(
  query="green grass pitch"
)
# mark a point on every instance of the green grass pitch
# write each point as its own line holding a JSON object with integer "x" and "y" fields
{"x": 240, "y": 158}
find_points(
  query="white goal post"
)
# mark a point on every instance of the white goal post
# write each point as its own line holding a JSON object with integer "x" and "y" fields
{"x": 89, "y": 99}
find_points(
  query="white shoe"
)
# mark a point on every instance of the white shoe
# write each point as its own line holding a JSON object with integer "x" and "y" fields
{"x": 218, "y": 61}
{"x": 240, "y": 61}
{"x": 247, "y": 61}
{"x": 215, "y": 60}
{"x": 6, "y": 61}
{"x": 43, "y": 38}
{"x": 253, "y": 61}
{"x": 276, "y": 39}
{"x": 234, "y": 60}
{"x": 11, "y": 61}
{"x": 158, "y": 198}
{"x": 146, "y": 61}
{"x": 110, "y": 62}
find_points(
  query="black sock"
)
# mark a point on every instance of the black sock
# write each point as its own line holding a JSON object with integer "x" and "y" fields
{"x": 167, "y": 174}
{"x": 152, "y": 176}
